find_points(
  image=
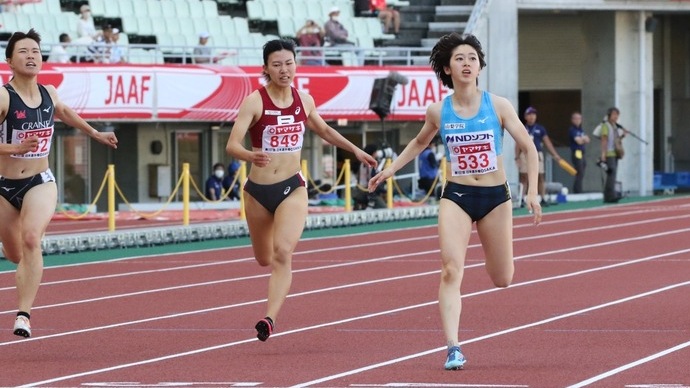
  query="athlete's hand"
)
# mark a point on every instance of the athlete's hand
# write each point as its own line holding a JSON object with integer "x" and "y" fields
{"x": 107, "y": 138}
{"x": 379, "y": 178}
{"x": 260, "y": 159}
{"x": 28, "y": 145}
{"x": 366, "y": 158}
{"x": 533, "y": 207}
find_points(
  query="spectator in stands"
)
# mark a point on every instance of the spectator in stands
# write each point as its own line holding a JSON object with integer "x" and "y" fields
{"x": 541, "y": 139}
{"x": 99, "y": 50}
{"x": 115, "y": 50}
{"x": 311, "y": 35}
{"x": 388, "y": 15}
{"x": 233, "y": 170}
{"x": 10, "y": 5}
{"x": 204, "y": 54}
{"x": 86, "y": 29}
{"x": 59, "y": 54}
{"x": 214, "y": 183}
{"x": 337, "y": 35}
{"x": 428, "y": 170}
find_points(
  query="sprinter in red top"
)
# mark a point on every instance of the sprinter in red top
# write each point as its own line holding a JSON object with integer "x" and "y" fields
{"x": 276, "y": 117}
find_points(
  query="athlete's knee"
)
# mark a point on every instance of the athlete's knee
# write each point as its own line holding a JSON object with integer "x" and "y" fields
{"x": 32, "y": 240}
{"x": 282, "y": 253}
{"x": 264, "y": 260}
{"x": 451, "y": 273}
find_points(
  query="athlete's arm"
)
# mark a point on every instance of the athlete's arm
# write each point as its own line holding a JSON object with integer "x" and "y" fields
{"x": 248, "y": 114}
{"x": 317, "y": 124}
{"x": 25, "y": 146}
{"x": 71, "y": 118}
{"x": 511, "y": 122}
{"x": 414, "y": 147}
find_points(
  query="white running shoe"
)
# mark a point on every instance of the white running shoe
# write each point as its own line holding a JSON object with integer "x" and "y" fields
{"x": 22, "y": 326}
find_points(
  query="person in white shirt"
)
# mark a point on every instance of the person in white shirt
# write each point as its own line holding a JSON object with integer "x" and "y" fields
{"x": 59, "y": 54}
{"x": 115, "y": 49}
{"x": 86, "y": 29}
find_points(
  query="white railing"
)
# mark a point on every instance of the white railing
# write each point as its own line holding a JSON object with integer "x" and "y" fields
{"x": 252, "y": 56}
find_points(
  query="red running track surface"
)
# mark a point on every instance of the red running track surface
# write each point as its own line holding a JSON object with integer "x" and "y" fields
{"x": 599, "y": 299}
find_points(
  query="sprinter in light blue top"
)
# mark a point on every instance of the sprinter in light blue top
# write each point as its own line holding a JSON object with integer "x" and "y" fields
{"x": 471, "y": 123}
{"x": 472, "y": 145}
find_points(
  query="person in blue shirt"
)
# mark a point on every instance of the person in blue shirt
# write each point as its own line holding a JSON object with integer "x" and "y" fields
{"x": 578, "y": 141}
{"x": 428, "y": 170}
{"x": 233, "y": 169}
{"x": 471, "y": 123}
{"x": 540, "y": 137}
{"x": 214, "y": 183}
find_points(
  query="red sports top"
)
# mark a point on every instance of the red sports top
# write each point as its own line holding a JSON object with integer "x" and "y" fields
{"x": 376, "y": 5}
{"x": 274, "y": 118}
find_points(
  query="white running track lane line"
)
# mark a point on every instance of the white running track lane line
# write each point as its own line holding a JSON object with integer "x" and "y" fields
{"x": 552, "y": 319}
{"x": 331, "y": 266}
{"x": 177, "y": 315}
{"x": 496, "y": 334}
{"x": 265, "y": 275}
{"x": 370, "y": 367}
{"x": 12, "y": 288}
{"x": 436, "y": 385}
{"x": 631, "y": 365}
{"x": 381, "y": 242}
{"x": 219, "y": 262}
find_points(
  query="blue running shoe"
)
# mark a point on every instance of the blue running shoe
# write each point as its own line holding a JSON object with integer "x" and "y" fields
{"x": 455, "y": 359}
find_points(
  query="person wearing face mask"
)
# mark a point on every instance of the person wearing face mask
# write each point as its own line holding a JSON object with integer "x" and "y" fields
{"x": 214, "y": 183}
{"x": 86, "y": 29}
{"x": 336, "y": 35}
{"x": 311, "y": 35}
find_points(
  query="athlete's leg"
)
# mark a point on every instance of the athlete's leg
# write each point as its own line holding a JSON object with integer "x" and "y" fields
{"x": 288, "y": 226}
{"x": 260, "y": 225}
{"x": 496, "y": 234}
{"x": 522, "y": 177}
{"x": 37, "y": 211}
{"x": 454, "y": 229}
{"x": 10, "y": 232}
{"x": 541, "y": 187}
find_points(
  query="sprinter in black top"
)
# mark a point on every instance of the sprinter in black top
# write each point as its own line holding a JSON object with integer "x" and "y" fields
{"x": 27, "y": 186}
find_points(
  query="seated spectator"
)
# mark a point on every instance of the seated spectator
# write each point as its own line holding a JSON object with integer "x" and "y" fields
{"x": 311, "y": 35}
{"x": 115, "y": 50}
{"x": 59, "y": 54}
{"x": 387, "y": 14}
{"x": 337, "y": 35}
{"x": 233, "y": 170}
{"x": 99, "y": 50}
{"x": 204, "y": 54}
{"x": 86, "y": 29}
{"x": 214, "y": 183}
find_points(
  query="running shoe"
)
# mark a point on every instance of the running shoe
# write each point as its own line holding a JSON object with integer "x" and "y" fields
{"x": 22, "y": 327}
{"x": 455, "y": 359}
{"x": 264, "y": 329}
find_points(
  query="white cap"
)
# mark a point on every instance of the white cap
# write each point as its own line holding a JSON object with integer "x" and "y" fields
{"x": 204, "y": 35}
{"x": 116, "y": 31}
{"x": 333, "y": 10}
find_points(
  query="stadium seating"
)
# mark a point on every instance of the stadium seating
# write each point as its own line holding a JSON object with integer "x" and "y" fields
{"x": 176, "y": 24}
